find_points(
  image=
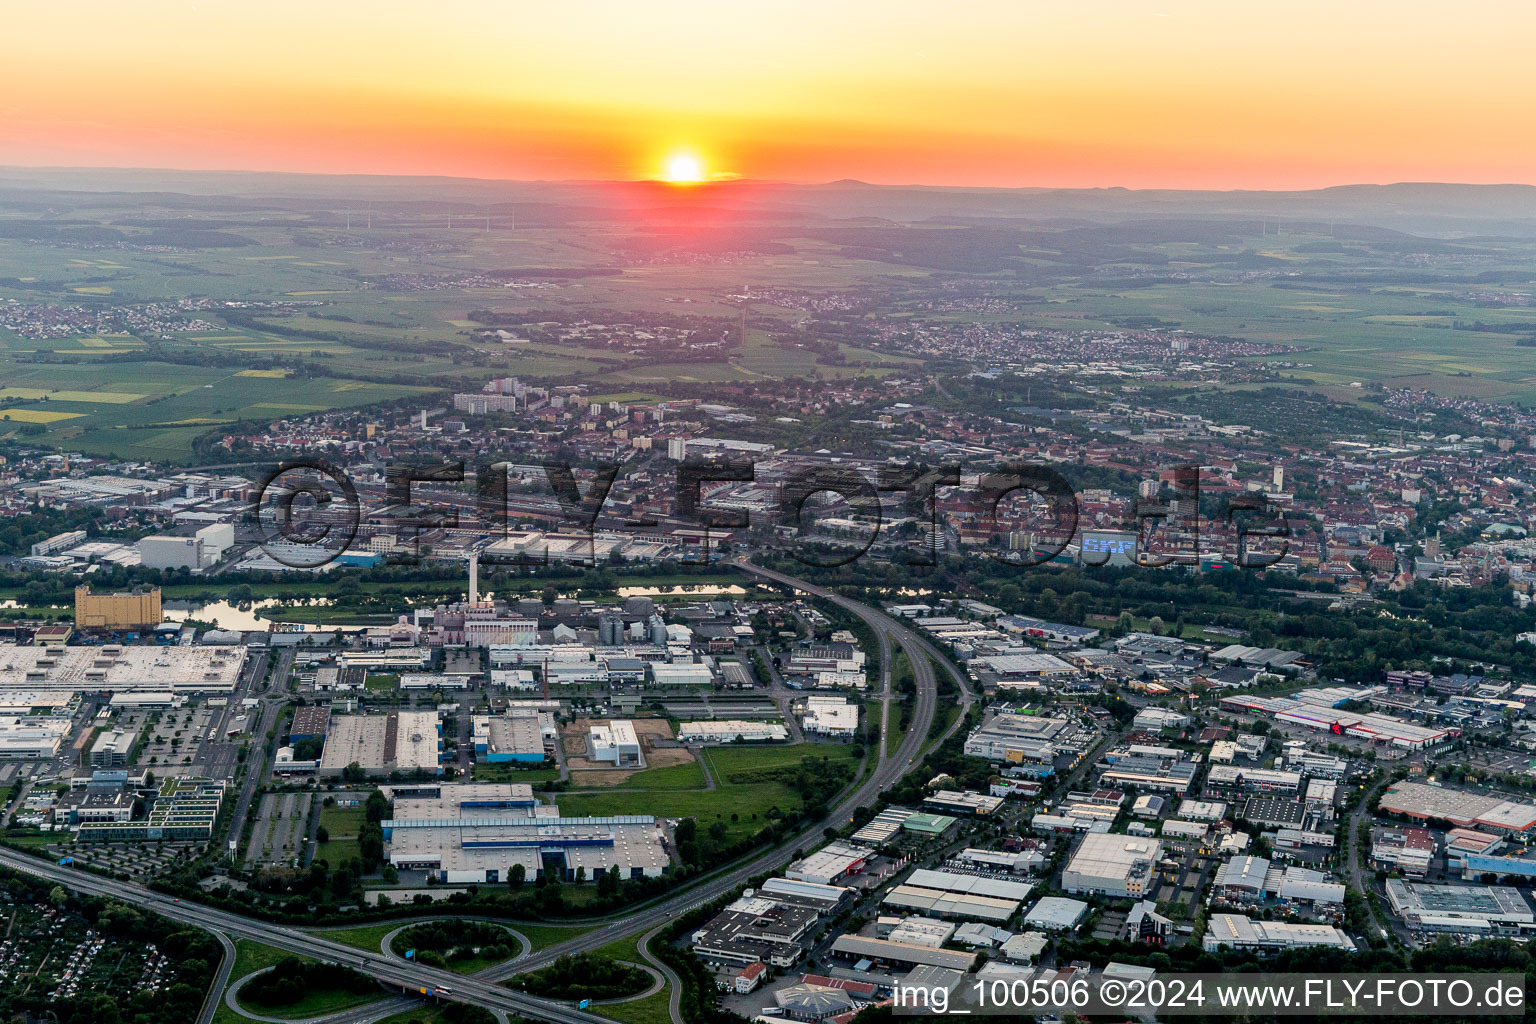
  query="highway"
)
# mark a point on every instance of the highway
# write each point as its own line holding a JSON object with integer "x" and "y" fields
{"x": 401, "y": 974}
{"x": 887, "y": 771}
{"x": 484, "y": 989}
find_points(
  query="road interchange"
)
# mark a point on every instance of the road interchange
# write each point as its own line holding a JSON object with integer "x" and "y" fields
{"x": 485, "y": 988}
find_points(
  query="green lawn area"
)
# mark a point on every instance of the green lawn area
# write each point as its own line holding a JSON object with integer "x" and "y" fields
{"x": 249, "y": 956}
{"x": 32, "y": 839}
{"x": 401, "y": 946}
{"x": 318, "y": 1003}
{"x": 951, "y": 713}
{"x": 741, "y": 806}
{"x": 540, "y": 935}
{"x": 543, "y": 935}
{"x": 653, "y": 1009}
{"x": 338, "y": 851}
{"x": 725, "y": 760}
{"x": 510, "y": 773}
{"x": 673, "y": 776}
{"x": 343, "y": 821}
{"x": 893, "y": 738}
{"x": 382, "y": 682}
{"x": 421, "y": 1015}
{"x": 362, "y": 937}
{"x": 627, "y": 948}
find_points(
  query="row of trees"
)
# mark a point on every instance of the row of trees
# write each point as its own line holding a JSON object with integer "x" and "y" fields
{"x": 585, "y": 976}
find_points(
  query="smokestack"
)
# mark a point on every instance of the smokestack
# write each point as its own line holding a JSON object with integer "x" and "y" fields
{"x": 474, "y": 577}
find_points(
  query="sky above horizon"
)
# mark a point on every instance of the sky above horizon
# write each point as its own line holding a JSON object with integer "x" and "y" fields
{"x": 1158, "y": 94}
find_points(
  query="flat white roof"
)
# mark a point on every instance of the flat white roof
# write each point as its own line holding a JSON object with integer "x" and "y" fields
{"x": 119, "y": 667}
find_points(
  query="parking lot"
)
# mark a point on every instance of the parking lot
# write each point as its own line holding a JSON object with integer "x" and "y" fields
{"x": 171, "y": 738}
{"x": 280, "y": 829}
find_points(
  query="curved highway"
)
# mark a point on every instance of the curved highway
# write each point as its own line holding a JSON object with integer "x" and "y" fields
{"x": 887, "y": 771}
{"x": 483, "y": 989}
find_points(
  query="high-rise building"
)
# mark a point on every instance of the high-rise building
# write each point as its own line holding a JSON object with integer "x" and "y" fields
{"x": 137, "y": 610}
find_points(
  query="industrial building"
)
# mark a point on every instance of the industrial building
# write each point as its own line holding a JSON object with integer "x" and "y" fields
{"x": 184, "y": 809}
{"x": 1274, "y": 811}
{"x": 1232, "y": 780}
{"x": 978, "y": 805}
{"x": 830, "y": 716}
{"x": 1406, "y": 849}
{"x": 401, "y": 741}
{"x": 1016, "y": 739}
{"x": 755, "y": 929}
{"x": 615, "y": 741}
{"x": 1112, "y": 865}
{"x": 1056, "y": 914}
{"x": 882, "y": 828}
{"x": 113, "y": 748}
{"x": 1156, "y": 719}
{"x": 1241, "y": 878}
{"x": 1465, "y": 909}
{"x": 825, "y": 898}
{"x": 139, "y": 609}
{"x": 678, "y": 673}
{"x": 830, "y": 864}
{"x": 27, "y": 737}
{"x": 1156, "y": 768}
{"x": 949, "y": 894}
{"x": 731, "y": 731}
{"x": 114, "y": 668}
{"x": 1175, "y": 828}
{"x": 310, "y": 722}
{"x": 1459, "y": 807}
{"x": 901, "y": 954}
{"x": 171, "y": 553}
{"x": 1243, "y": 933}
{"x": 1324, "y": 718}
{"x": 480, "y": 832}
{"x": 503, "y": 738}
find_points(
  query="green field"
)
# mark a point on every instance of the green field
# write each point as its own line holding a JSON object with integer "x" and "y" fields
{"x": 507, "y": 773}
{"x": 545, "y": 935}
{"x": 338, "y": 851}
{"x": 380, "y": 313}
{"x": 249, "y": 956}
{"x": 363, "y": 936}
{"x": 154, "y": 410}
{"x": 342, "y": 821}
{"x": 741, "y": 806}
{"x": 674, "y": 776}
{"x": 253, "y": 956}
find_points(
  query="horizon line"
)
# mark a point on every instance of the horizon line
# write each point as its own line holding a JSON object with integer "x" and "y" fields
{"x": 725, "y": 182}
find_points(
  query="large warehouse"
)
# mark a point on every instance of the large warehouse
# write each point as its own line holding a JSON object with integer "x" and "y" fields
{"x": 500, "y": 738}
{"x": 117, "y": 669}
{"x": 1015, "y": 738}
{"x": 1237, "y": 932}
{"x": 1107, "y": 864}
{"x": 478, "y": 833}
{"x": 403, "y": 741}
{"x": 1459, "y": 807}
{"x": 1324, "y": 718}
{"x": 1474, "y": 909}
{"x": 31, "y": 737}
{"x": 949, "y": 894}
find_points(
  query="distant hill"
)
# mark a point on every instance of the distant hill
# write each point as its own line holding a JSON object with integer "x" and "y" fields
{"x": 1430, "y": 209}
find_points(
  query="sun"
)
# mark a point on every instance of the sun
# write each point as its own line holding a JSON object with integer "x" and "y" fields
{"x": 683, "y": 169}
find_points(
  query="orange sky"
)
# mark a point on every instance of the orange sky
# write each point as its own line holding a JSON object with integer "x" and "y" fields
{"x": 1180, "y": 94}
